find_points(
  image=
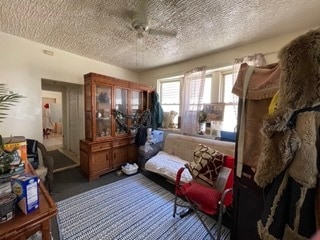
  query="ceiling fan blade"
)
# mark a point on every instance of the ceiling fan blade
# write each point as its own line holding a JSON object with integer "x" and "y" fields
{"x": 161, "y": 32}
{"x": 141, "y": 11}
{"x": 139, "y": 17}
{"x": 129, "y": 13}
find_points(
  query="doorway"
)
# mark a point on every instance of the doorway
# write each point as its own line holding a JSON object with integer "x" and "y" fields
{"x": 52, "y": 119}
{"x": 66, "y": 102}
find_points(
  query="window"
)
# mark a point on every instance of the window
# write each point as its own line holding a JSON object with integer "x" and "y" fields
{"x": 206, "y": 98}
{"x": 215, "y": 90}
{"x": 169, "y": 91}
{"x": 170, "y": 96}
{"x": 207, "y": 90}
{"x": 231, "y": 103}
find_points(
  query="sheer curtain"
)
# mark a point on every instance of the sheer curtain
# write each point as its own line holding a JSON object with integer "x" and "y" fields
{"x": 192, "y": 99}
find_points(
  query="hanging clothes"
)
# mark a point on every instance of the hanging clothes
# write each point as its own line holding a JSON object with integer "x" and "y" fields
{"x": 262, "y": 85}
{"x": 288, "y": 164}
{"x": 157, "y": 111}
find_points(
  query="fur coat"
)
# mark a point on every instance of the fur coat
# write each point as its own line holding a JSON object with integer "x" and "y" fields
{"x": 288, "y": 164}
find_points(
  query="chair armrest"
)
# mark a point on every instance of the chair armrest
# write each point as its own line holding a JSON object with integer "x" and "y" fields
{"x": 178, "y": 177}
{"x": 48, "y": 162}
{"x": 187, "y": 166}
{"x": 178, "y": 190}
{"x": 224, "y": 194}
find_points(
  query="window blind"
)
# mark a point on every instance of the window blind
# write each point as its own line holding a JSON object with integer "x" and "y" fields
{"x": 170, "y": 92}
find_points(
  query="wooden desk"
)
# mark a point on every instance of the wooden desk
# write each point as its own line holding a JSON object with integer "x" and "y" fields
{"x": 22, "y": 226}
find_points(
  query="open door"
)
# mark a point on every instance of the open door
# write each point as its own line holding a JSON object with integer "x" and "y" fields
{"x": 74, "y": 123}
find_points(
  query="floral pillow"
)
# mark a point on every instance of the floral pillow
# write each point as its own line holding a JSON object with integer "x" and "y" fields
{"x": 206, "y": 165}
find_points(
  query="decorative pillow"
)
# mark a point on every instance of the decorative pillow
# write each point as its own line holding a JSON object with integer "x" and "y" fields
{"x": 206, "y": 164}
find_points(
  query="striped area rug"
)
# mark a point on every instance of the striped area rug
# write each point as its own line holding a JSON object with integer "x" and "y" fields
{"x": 132, "y": 208}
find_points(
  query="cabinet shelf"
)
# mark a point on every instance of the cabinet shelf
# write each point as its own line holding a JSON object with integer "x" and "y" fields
{"x": 105, "y": 119}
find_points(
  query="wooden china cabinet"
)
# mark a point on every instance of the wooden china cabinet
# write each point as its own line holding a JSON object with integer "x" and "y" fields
{"x": 111, "y": 108}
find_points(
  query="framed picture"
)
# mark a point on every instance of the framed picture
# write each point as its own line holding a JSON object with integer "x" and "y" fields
{"x": 214, "y": 111}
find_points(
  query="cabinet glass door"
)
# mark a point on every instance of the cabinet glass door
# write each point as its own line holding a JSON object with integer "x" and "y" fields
{"x": 103, "y": 111}
{"x": 136, "y": 107}
{"x": 121, "y": 110}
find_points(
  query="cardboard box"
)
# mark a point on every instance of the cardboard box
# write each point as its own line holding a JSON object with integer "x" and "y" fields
{"x": 18, "y": 142}
{"x": 26, "y": 188}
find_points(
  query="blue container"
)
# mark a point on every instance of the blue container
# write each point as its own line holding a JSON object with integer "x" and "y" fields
{"x": 157, "y": 136}
{"x": 228, "y": 136}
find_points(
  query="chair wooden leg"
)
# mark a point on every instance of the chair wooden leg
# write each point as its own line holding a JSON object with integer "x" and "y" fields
{"x": 50, "y": 188}
{"x": 49, "y": 185}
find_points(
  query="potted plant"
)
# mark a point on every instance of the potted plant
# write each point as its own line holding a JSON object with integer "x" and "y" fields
{"x": 7, "y": 99}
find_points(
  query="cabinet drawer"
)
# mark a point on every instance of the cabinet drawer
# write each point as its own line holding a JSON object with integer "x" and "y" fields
{"x": 120, "y": 143}
{"x": 101, "y": 146}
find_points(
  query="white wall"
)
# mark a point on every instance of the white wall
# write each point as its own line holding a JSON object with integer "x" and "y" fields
{"x": 22, "y": 66}
{"x": 225, "y": 58}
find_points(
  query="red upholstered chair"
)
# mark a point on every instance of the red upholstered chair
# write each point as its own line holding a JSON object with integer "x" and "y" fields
{"x": 207, "y": 199}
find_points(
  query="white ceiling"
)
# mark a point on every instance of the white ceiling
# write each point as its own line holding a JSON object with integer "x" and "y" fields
{"x": 100, "y": 29}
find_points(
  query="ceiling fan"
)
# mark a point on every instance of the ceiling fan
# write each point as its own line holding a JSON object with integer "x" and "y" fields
{"x": 139, "y": 23}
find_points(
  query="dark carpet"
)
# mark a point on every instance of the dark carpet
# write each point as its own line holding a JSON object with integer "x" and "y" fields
{"x": 60, "y": 160}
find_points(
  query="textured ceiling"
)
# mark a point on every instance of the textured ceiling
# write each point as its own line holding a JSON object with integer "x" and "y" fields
{"x": 101, "y": 29}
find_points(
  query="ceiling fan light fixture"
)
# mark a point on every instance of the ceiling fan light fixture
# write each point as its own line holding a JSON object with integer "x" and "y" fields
{"x": 138, "y": 21}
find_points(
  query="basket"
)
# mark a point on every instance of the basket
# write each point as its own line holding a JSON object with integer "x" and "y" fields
{"x": 129, "y": 169}
{"x": 7, "y": 206}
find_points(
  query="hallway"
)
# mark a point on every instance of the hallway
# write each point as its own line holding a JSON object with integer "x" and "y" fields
{"x": 55, "y": 142}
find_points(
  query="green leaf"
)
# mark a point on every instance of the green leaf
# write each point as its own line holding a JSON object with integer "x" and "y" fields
{"x": 7, "y": 100}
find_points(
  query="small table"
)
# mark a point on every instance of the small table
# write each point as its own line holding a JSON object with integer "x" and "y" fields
{"x": 22, "y": 226}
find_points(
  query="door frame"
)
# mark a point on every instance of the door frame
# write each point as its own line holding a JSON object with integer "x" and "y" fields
{"x": 64, "y": 88}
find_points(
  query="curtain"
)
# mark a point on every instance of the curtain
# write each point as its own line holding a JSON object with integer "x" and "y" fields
{"x": 192, "y": 99}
